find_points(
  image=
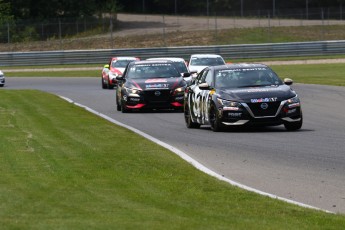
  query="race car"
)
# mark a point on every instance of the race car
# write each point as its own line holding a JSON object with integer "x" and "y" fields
{"x": 180, "y": 63}
{"x": 115, "y": 67}
{"x": 150, "y": 85}
{"x": 241, "y": 95}
{"x": 2, "y": 79}
{"x": 198, "y": 62}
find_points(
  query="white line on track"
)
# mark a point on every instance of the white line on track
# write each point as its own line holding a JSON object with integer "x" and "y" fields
{"x": 190, "y": 160}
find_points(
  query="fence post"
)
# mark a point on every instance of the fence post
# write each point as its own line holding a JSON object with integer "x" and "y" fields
{"x": 8, "y": 33}
{"x": 111, "y": 31}
{"x": 60, "y": 39}
{"x": 164, "y": 42}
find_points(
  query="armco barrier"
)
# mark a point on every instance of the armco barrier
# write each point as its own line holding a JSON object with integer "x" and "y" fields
{"x": 229, "y": 52}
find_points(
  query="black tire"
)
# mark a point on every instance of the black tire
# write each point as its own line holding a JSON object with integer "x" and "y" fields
{"x": 104, "y": 86}
{"x": 118, "y": 107}
{"x": 215, "y": 123}
{"x": 187, "y": 117}
{"x": 2, "y": 85}
{"x": 292, "y": 126}
{"x": 124, "y": 109}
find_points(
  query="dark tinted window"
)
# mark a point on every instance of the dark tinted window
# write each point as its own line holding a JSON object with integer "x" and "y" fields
{"x": 246, "y": 77}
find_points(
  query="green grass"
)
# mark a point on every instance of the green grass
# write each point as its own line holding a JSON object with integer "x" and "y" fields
{"x": 69, "y": 73}
{"x": 64, "y": 168}
{"x": 322, "y": 74}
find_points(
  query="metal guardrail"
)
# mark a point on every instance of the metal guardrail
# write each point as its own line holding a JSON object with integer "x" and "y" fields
{"x": 229, "y": 52}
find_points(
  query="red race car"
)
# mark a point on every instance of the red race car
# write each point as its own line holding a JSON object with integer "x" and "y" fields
{"x": 114, "y": 68}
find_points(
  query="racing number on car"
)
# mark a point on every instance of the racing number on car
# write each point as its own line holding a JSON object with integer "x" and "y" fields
{"x": 199, "y": 100}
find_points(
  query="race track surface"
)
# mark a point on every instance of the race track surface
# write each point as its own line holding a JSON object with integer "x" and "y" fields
{"x": 307, "y": 166}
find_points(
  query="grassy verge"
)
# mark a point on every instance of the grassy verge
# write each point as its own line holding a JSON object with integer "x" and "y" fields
{"x": 62, "y": 73}
{"x": 64, "y": 168}
{"x": 324, "y": 74}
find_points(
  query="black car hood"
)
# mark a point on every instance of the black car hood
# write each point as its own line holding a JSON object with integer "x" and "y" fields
{"x": 156, "y": 83}
{"x": 255, "y": 94}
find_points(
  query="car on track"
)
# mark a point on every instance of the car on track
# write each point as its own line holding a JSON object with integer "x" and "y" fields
{"x": 114, "y": 68}
{"x": 198, "y": 62}
{"x": 2, "y": 79}
{"x": 150, "y": 85}
{"x": 241, "y": 95}
{"x": 181, "y": 65}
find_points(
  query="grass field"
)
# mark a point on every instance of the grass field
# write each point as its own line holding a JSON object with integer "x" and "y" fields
{"x": 64, "y": 168}
{"x": 324, "y": 74}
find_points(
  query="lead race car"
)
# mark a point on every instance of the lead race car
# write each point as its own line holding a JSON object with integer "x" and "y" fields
{"x": 239, "y": 95}
{"x": 150, "y": 85}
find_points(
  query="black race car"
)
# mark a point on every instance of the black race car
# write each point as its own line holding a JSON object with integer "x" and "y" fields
{"x": 241, "y": 94}
{"x": 150, "y": 85}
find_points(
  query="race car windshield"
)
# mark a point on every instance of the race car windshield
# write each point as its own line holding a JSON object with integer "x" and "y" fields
{"x": 241, "y": 78}
{"x": 120, "y": 63}
{"x": 181, "y": 67}
{"x": 207, "y": 61}
{"x": 152, "y": 71}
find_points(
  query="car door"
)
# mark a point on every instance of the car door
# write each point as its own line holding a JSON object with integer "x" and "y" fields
{"x": 198, "y": 95}
{"x": 205, "y": 95}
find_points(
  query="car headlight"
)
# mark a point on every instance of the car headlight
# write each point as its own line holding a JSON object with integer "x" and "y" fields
{"x": 229, "y": 105}
{"x": 179, "y": 90}
{"x": 293, "y": 102}
{"x": 132, "y": 90}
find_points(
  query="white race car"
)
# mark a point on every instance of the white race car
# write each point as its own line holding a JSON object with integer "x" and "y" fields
{"x": 199, "y": 62}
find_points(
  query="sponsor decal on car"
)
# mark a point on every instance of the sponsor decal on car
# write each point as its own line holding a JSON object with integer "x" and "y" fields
{"x": 234, "y": 114}
{"x": 155, "y": 80}
{"x": 231, "y": 108}
{"x": 267, "y": 99}
{"x": 157, "y": 86}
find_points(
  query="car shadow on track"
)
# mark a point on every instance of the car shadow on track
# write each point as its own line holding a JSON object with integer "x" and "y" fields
{"x": 257, "y": 129}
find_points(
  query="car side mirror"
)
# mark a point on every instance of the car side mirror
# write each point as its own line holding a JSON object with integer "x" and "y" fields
{"x": 288, "y": 81}
{"x": 119, "y": 77}
{"x": 106, "y": 66}
{"x": 204, "y": 86}
{"x": 186, "y": 75}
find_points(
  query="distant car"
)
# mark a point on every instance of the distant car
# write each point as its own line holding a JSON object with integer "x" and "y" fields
{"x": 2, "y": 79}
{"x": 181, "y": 65}
{"x": 114, "y": 68}
{"x": 150, "y": 85}
{"x": 198, "y": 62}
{"x": 241, "y": 94}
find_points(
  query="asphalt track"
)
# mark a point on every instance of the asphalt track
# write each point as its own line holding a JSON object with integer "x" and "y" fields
{"x": 306, "y": 166}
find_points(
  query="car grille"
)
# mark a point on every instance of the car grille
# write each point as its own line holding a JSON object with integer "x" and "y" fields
{"x": 153, "y": 97}
{"x": 258, "y": 111}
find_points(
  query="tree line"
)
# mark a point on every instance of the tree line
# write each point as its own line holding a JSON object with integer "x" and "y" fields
{"x": 43, "y": 9}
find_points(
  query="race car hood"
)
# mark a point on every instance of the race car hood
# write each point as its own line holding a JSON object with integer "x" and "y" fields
{"x": 258, "y": 94}
{"x": 156, "y": 83}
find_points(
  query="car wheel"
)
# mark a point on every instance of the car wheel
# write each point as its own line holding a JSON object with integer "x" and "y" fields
{"x": 187, "y": 117}
{"x": 123, "y": 108}
{"x": 118, "y": 106}
{"x": 110, "y": 86}
{"x": 2, "y": 85}
{"x": 292, "y": 126}
{"x": 215, "y": 123}
{"x": 104, "y": 86}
